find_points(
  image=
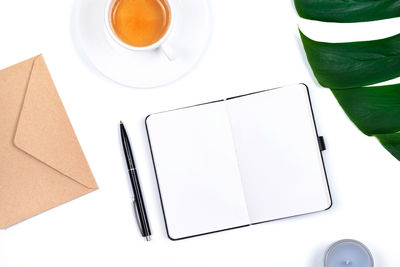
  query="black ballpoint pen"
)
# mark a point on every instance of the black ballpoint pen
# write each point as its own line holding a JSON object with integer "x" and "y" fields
{"x": 138, "y": 202}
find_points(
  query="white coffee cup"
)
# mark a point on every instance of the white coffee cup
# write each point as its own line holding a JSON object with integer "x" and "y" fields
{"x": 161, "y": 44}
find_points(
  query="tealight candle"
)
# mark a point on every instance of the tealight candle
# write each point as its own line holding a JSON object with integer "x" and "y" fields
{"x": 348, "y": 253}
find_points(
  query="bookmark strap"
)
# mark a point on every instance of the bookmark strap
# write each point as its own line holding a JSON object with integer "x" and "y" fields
{"x": 321, "y": 143}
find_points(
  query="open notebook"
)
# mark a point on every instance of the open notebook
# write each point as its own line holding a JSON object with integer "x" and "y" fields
{"x": 238, "y": 161}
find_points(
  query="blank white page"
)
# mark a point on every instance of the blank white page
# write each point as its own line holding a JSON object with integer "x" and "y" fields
{"x": 278, "y": 153}
{"x": 197, "y": 171}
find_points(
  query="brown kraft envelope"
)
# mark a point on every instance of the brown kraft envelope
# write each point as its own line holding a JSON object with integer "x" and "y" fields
{"x": 42, "y": 164}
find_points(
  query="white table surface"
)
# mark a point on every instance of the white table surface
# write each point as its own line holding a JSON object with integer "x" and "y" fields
{"x": 255, "y": 45}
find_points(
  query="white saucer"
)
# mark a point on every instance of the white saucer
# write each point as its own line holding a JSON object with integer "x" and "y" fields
{"x": 143, "y": 69}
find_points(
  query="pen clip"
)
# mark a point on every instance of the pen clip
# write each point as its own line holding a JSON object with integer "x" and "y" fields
{"x": 137, "y": 216}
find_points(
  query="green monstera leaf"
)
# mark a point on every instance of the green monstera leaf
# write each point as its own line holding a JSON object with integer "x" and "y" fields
{"x": 347, "y": 68}
{"x": 374, "y": 110}
{"x": 355, "y": 64}
{"x": 391, "y": 142}
{"x": 347, "y": 10}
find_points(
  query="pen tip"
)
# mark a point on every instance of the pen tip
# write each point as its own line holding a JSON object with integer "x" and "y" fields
{"x": 120, "y": 122}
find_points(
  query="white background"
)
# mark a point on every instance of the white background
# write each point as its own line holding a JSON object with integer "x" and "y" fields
{"x": 255, "y": 45}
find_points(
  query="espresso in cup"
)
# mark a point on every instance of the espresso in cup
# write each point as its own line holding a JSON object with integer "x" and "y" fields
{"x": 140, "y": 23}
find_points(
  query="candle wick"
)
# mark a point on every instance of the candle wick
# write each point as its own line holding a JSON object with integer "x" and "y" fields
{"x": 347, "y": 262}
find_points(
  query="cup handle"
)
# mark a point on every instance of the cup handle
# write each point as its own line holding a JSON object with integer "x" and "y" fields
{"x": 168, "y": 51}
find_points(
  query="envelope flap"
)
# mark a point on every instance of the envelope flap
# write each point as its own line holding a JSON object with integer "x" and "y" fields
{"x": 45, "y": 132}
